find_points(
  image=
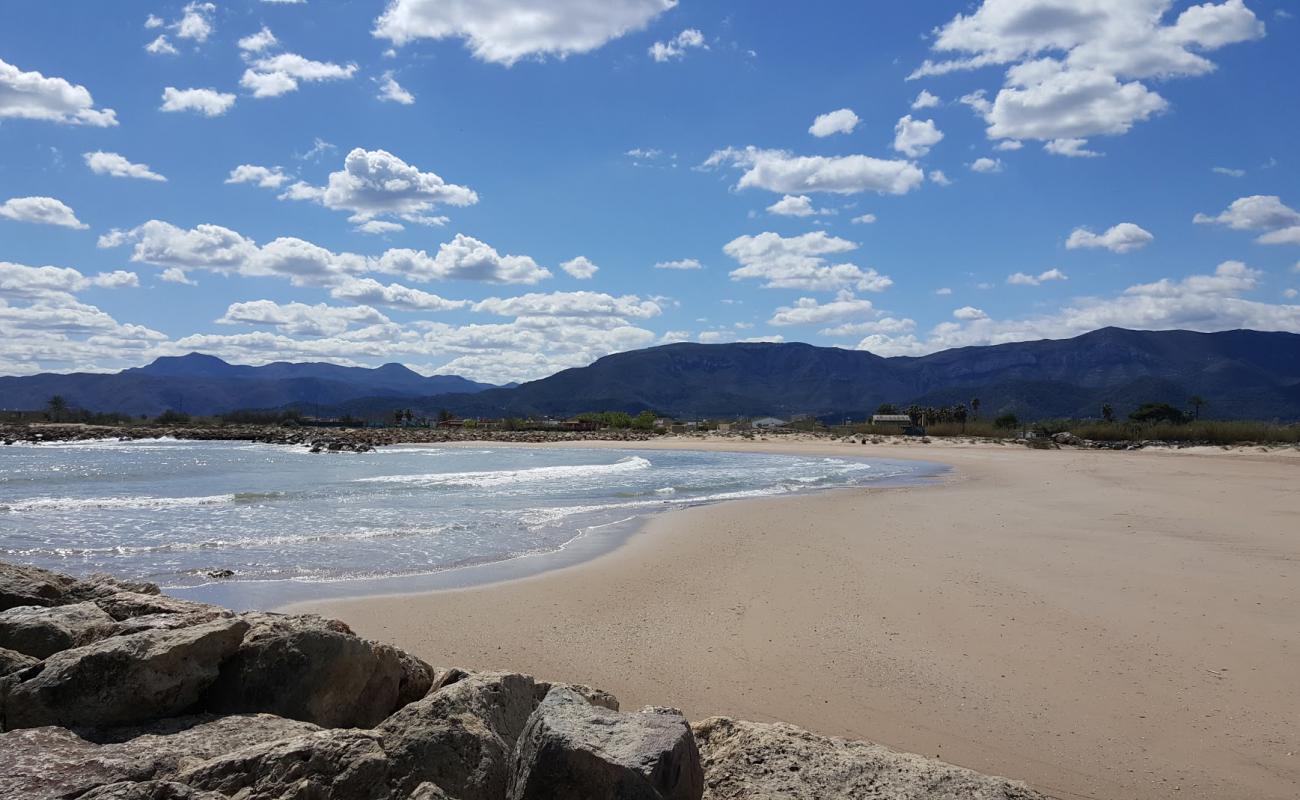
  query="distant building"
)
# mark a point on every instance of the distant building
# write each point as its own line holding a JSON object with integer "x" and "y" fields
{"x": 770, "y": 422}
{"x": 891, "y": 419}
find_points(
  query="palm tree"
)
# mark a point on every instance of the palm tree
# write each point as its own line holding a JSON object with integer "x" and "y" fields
{"x": 975, "y": 407}
{"x": 57, "y": 406}
{"x": 1196, "y": 402}
{"x": 1107, "y": 413}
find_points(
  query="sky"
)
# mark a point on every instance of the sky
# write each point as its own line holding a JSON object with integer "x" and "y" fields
{"x": 501, "y": 189}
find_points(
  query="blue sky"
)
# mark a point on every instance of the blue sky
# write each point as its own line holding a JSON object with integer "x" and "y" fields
{"x": 431, "y": 183}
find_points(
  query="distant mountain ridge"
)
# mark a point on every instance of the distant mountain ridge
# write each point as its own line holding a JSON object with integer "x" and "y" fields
{"x": 1241, "y": 374}
{"x": 204, "y": 384}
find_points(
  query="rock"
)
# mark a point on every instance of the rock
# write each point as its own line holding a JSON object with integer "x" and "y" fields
{"x": 41, "y": 631}
{"x": 757, "y": 761}
{"x": 122, "y": 605}
{"x": 149, "y": 790}
{"x": 573, "y": 749}
{"x": 12, "y": 661}
{"x": 50, "y": 762}
{"x": 317, "y": 670}
{"x": 170, "y": 622}
{"x": 221, "y": 573}
{"x": 31, "y": 586}
{"x": 122, "y": 679}
{"x": 102, "y": 585}
{"x": 1065, "y": 437}
{"x": 328, "y": 765}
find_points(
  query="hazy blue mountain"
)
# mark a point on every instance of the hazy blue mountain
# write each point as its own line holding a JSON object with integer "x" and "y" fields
{"x": 203, "y": 384}
{"x": 1241, "y": 374}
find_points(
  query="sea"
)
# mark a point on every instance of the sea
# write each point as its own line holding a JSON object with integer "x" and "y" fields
{"x": 259, "y": 525}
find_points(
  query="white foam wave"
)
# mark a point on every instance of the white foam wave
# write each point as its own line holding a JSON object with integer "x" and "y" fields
{"x": 512, "y": 476}
{"x": 56, "y": 504}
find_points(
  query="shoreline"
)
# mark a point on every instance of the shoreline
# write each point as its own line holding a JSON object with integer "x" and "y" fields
{"x": 1058, "y": 616}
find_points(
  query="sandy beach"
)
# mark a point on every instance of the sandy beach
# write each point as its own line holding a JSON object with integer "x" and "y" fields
{"x": 1099, "y": 624}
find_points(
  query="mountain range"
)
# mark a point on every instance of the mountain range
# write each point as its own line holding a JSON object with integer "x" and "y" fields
{"x": 1240, "y": 374}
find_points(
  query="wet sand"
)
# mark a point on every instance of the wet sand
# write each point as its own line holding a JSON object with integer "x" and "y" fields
{"x": 1099, "y": 624}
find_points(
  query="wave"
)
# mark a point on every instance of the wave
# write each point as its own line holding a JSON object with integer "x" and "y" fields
{"x": 512, "y": 476}
{"x": 57, "y": 504}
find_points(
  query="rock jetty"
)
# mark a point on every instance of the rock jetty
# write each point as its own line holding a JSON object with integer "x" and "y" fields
{"x": 110, "y": 690}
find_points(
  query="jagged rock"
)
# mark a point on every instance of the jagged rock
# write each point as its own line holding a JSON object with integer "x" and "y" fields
{"x": 1065, "y": 437}
{"x": 50, "y": 762}
{"x": 12, "y": 661}
{"x": 102, "y": 585}
{"x": 170, "y": 622}
{"x": 150, "y": 790}
{"x": 31, "y": 586}
{"x": 328, "y": 765}
{"x": 123, "y": 605}
{"x": 313, "y": 669}
{"x": 122, "y": 679}
{"x": 753, "y": 761}
{"x": 41, "y": 631}
{"x": 573, "y": 749}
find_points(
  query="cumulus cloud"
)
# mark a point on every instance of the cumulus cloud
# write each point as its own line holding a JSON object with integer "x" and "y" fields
{"x": 914, "y": 138}
{"x": 468, "y": 259}
{"x": 677, "y": 46}
{"x": 832, "y": 122}
{"x": 505, "y": 31}
{"x": 176, "y": 275}
{"x": 582, "y": 305}
{"x": 257, "y": 42}
{"x": 376, "y": 183}
{"x": 680, "y": 264}
{"x": 195, "y": 22}
{"x": 160, "y": 46}
{"x": 18, "y": 281}
{"x": 986, "y": 164}
{"x": 1070, "y": 148}
{"x": 925, "y": 100}
{"x": 797, "y": 206}
{"x": 784, "y": 172}
{"x": 1025, "y": 279}
{"x": 104, "y": 163}
{"x": 1259, "y": 212}
{"x": 391, "y": 91}
{"x": 368, "y": 291}
{"x": 1122, "y": 238}
{"x": 41, "y": 211}
{"x": 808, "y": 311}
{"x": 969, "y": 313}
{"x": 940, "y": 178}
{"x": 272, "y": 76}
{"x": 800, "y": 262}
{"x": 864, "y": 219}
{"x": 580, "y": 268}
{"x": 1076, "y": 71}
{"x": 208, "y": 102}
{"x": 266, "y": 177}
{"x": 1230, "y": 172}
{"x": 300, "y": 319}
{"x": 31, "y": 95}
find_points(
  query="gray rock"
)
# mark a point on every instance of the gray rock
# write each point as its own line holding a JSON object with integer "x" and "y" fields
{"x": 50, "y": 762}
{"x": 124, "y": 605}
{"x": 150, "y": 790}
{"x": 753, "y": 761}
{"x": 11, "y": 661}
{"x": 41, "y": 631}
{"x": 328, "y": 765}
{"x": 122, "y": 679}
{"x": 313, "y": 669}
{"x": 170, "y": 622}
{"x": 31, "y": 586}
{"x": 573, "y": 749}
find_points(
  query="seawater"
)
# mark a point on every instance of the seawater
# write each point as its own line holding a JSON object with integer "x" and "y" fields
{"x": 278, "y": 517}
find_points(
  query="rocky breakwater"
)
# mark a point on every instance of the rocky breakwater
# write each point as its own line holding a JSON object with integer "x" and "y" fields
{"x": 112, "y": 691}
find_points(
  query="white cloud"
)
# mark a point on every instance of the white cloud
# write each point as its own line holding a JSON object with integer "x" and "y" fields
{"x": 1260, "y": 212}
{"x": 377, "y": 183}
{"x": 153, "y": 21}
{"x": 208, "y": 102}
{"x": 104, "y": 163}
{"x": 799, "y": 262}
{"x": 468, "y": 259}
{"x": 580, "y": 268}
{"x": 31, "y": 95}
{"x": 914, "y": 138}
{"x": 266, "y": 177}
{"x": 680, "y": 264}
{"x": 969, "y": 313}
{"x": 781, "y": 171}
{"x": 392, "y": 92}
{"x": 925, "y": 100}
{"x": 583, "y": 305}
{"x": 161, "y": 47}
{"x": 177, "y": 275}
{"x": 1070, "y": 148}
{"x": 272, "y": 76}
{"x": 863, "y": 219}
{"x": 18, "y": 281}
{"x": 257, "y": 42}
{"x": 379, "y": 227}
{"x": 808, "y": 311}
{"x": 1008, "y": 145}
{"x": 832, "y": 122}
{"x": 195, "y": 22}
{"x": 943, "y": 291}
{"x": 677, "y": 46}
{"x": 986, "y": 164}
{"x": 1076, "y": 68}
{"x": 369, "y": 291}
{"x": 1122, "y": 238}
{"x": 41, "y": 211}
{"x": 1025, "y": 279}
{"x": 797, "y": 206}
{"x": 884, "y": 325}
{"x": 1229, "y": 278}
{"x": 1232, "y": 173}
{"x": 299, "y": 319}
{"x": 504, "y": 31}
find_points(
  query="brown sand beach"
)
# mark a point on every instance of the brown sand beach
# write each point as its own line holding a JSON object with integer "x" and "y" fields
{"x": 1098, "y": 624}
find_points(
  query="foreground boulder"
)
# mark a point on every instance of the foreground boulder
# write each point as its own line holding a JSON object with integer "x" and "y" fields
{"x": 122, "y": 679}
{"x": 752, "y": 761}
{"x": 49, "y": 762}
{"x": 316, "y": 670}
{"x": 41, "y": 631}
{"x": 32, "y": 586}
{"x": 150, "y": 790}
{"x": 333, "y": 765}
{"x": 125, "y": 604}
{"x": 573, "y": 749}
{"x": 12, "y": 661}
